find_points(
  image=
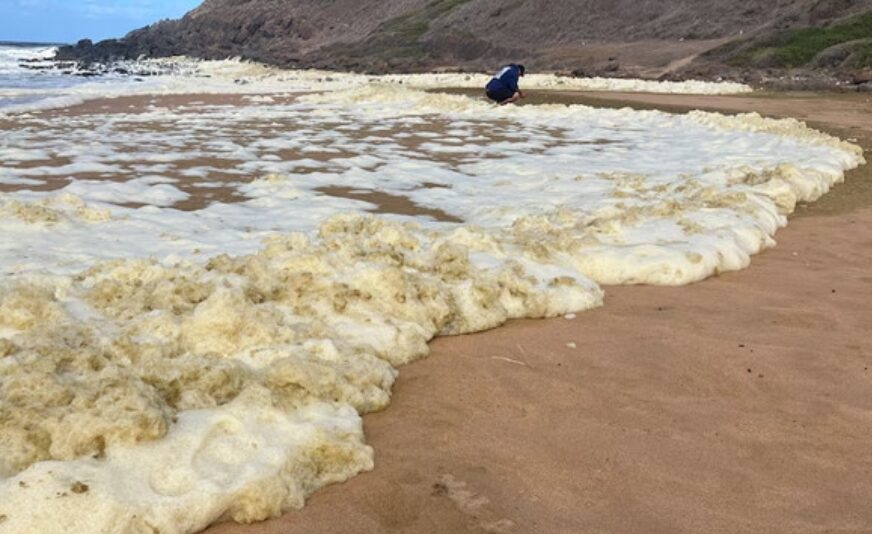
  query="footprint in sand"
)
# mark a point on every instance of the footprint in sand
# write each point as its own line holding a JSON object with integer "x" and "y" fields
{"x": 472, "y": 504}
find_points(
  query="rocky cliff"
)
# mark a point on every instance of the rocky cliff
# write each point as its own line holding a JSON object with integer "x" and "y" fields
{"x": 649, "y": 38}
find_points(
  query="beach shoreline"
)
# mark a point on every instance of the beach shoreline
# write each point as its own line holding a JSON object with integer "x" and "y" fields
{"x": 737, "y": 404}
{"x": 734, "y": 404}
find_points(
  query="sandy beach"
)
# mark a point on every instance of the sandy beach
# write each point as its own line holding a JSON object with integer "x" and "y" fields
{"x": 423, "y": 267}
{"x": 738, "y": 404}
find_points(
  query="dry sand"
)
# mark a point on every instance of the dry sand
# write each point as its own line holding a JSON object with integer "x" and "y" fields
{"x": 739, "y": 404}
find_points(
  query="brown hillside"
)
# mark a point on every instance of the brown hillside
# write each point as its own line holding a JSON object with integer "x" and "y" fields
{"x": 624, "y": 37}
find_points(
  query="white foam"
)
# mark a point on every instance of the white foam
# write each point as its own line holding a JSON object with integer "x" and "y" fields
{"x": 215, "y": 362}
{"x": 181, "y": 75}
{"x": 5, "y": 178}
{"x": 557, "y": 82}
{"x": 12, "y": 56}
{"x": 145, "y": 190}
{"x": 206, "y": 468}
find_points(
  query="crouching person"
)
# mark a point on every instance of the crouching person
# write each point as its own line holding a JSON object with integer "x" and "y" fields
{"x": 503, "y": 87}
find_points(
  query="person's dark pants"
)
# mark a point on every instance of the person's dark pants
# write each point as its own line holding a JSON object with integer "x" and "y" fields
{"x": 499, "y": 94}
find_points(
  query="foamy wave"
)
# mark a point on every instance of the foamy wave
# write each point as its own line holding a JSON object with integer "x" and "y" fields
{"x": 173, "y": 391}
{"x": 226, "y": 390}
{"x": 12, "y": 56}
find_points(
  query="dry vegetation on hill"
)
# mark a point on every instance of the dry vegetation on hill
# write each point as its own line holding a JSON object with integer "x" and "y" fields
{"x": 740, "y": 39}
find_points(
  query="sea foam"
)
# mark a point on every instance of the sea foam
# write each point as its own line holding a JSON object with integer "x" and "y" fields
{"x": 164, "y": 369}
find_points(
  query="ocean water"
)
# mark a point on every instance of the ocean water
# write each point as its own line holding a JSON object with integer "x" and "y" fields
{"x": 15, "y": 77}
{"x": 191, "y": 326}
{"x": 29, "y": 79}
{"x": 14, "y": 57}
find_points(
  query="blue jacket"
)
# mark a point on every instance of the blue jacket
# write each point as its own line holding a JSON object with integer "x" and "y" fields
{"x": 506, "y": 78}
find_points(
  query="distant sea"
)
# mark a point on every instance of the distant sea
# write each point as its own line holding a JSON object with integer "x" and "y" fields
{"x": 19, "y": 84}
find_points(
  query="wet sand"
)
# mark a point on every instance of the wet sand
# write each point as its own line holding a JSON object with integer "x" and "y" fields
{"x": 387, "y": 203}
{"x": 739, "y": 404}
{"x": 208, "y": 175}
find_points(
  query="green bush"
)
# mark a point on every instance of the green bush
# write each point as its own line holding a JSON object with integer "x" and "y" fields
{"x": 862, "y": 57}
{"x": 400, "y": 36}
{"x": 796, "y": 48}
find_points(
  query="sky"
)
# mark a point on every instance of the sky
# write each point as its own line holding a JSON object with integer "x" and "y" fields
{"x": 67, "y": 21}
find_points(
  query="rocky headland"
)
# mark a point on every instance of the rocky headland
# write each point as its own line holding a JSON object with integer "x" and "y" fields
{"x": 797, "y": 44}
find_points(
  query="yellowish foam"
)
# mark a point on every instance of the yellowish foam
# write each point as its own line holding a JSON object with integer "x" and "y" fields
{"x": 297, "y": 326}
{"x": 169, "y": 393}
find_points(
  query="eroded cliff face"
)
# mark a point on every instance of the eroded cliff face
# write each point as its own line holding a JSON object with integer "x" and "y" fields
{"x": 649, "y": 38}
